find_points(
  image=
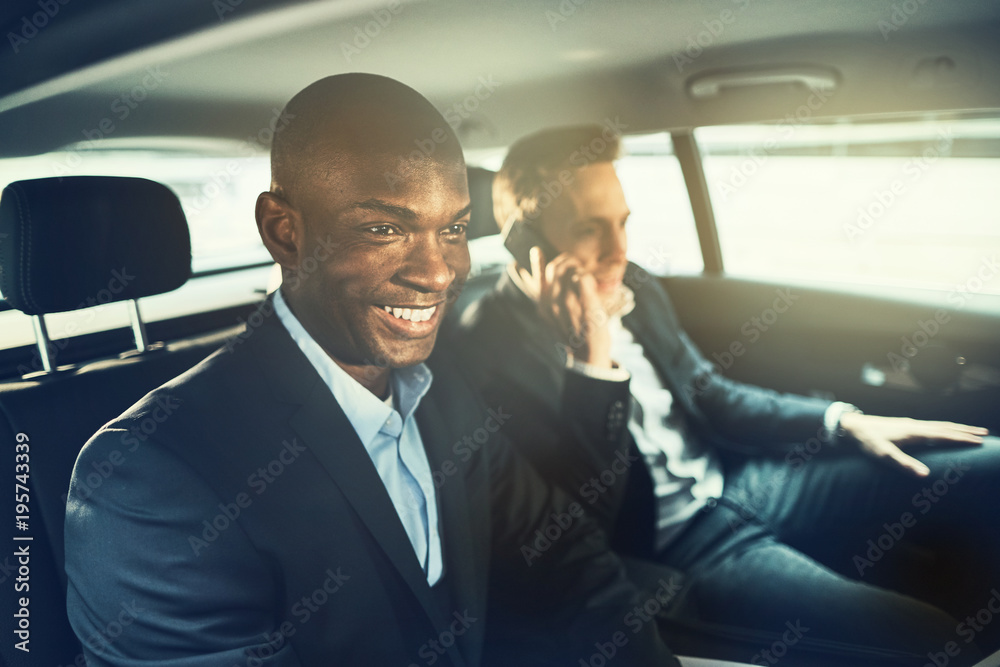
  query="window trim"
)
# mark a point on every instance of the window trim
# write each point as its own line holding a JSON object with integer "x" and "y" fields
{"x": 689, "y": 156}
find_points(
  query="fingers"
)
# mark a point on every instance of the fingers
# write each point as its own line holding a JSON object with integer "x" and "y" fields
{"x": 952, "y": 427}
{"x": 588, "y": 293}
{"x": 537, "y": 260}
{"x": 560, "y": 298}
{"x": 546, "y": 301}
{"x": 574, "y": 308}
{"x": 955, "y": 440}
{"x": 897, "y": 456}
{"x": 881, "y": 436}
{"x": 950, "y": 433}
{"x": 570, "y": 303}
{"x": 591, "y": 306}
{"x": 597, "y": 348}
{"x": 570, "y": 311}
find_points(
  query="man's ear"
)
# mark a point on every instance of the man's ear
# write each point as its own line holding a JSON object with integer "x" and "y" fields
{"x": 280, "y": 228}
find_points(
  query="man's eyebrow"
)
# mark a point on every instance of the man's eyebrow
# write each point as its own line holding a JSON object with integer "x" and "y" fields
{"x": 400, "y": 212}
{"x": 464, "y": 212}
{"x": 380, "y": 206}
{"x": 598, "y": 218}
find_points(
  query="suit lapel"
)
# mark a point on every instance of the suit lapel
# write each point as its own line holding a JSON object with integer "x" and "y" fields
{"x": 655, "y": 328}
{"x": 324, "y": 429}
{"x": 644, "y": 327}
{"x": 529, "y": 329}
{"x": 649, "y": 324}
{"x": 464, "y": 543}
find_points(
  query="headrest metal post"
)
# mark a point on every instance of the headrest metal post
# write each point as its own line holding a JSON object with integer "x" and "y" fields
{"x": 138, "y": 328}
{"x": 42, "y": 341}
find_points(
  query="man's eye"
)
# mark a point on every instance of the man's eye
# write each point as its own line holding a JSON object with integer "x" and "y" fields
{"x": 458, "y": 229}
{"x": 383, "y": 230}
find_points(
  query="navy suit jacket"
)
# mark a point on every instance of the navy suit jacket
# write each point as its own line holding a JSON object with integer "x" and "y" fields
{"x": 514, "y": 357}
{"x": 242, "y": 522}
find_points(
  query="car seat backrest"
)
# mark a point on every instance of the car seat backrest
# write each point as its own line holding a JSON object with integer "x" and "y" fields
{"x": 68, "y": 244}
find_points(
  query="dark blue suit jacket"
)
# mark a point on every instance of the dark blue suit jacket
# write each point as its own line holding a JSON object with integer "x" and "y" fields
{"x": 515, "y": 358}
{"x": 242, "y": 522}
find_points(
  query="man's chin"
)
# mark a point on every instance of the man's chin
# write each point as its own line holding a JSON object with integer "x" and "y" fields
{"x": 608, "y": 288}
{"x": 394, "y": 342}
{"x": 403, "y": 354}
{"x": 609, "y": 282}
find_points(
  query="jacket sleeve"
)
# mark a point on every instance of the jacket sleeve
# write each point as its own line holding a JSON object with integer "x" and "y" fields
{"x": 555, "y": 584}
{"x": 748, "y": 414}
{"x": 572, "y": 428}
{"x": 740, "y": 413}
{"x": 150, "y": 582}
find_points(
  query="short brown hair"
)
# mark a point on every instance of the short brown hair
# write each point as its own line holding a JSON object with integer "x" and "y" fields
{"x": 540, "y": 159}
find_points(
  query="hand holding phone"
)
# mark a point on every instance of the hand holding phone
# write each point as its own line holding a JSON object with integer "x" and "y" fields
{"x": 567, "y": 295}
{"x": 520, "y": 237}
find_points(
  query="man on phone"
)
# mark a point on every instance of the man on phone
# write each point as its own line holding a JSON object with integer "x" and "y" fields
{"x": 712, "y": 484}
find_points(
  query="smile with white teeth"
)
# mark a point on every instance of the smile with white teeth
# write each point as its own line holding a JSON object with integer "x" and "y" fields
{"x": 411, "y": 314}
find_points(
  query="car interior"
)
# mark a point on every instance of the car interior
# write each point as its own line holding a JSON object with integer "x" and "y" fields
{"x": 814, "y": 183}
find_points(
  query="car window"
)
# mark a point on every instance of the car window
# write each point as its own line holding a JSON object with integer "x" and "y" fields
{"x": 662, "y": 237}
{"x": 217, "y": 190}
{"x": 891, "y": 203}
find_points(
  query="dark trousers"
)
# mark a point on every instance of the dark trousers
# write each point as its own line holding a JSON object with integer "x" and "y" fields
{"x": 837, "y": 551}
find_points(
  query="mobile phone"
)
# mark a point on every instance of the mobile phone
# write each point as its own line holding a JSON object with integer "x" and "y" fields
{"x": 519, "y": 237}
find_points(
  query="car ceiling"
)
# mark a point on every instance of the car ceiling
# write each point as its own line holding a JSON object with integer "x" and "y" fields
{"x": 225, "y": 66}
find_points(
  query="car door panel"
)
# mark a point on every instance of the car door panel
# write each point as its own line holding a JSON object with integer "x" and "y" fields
{"x": 913, "y": 353}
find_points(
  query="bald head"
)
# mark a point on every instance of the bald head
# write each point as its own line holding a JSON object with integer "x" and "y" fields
{"x": 338, "y": 121}
{"x": 366, "y": 215}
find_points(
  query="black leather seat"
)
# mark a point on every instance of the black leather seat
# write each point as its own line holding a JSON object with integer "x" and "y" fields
{"x": 69, "y": 242}
{"x": 481, "y": 221}
{"x": 482, "y": 228}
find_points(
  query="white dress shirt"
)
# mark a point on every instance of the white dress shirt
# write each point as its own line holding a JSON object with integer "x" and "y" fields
{"x": 686, "y": 474}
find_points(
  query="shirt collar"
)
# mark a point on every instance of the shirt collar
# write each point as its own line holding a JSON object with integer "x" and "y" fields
{"x": 366, "y": 411}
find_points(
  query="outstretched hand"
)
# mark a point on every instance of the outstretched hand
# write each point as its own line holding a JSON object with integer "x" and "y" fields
{"x": 883, "y": 437}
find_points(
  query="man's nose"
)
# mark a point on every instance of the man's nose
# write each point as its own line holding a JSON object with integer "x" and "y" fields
{"x": 615, "y": 245}
{"x": 426, "y": 267}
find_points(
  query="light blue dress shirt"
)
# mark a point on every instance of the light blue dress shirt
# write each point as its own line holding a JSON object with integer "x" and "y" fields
{"x": 388, "y": 430}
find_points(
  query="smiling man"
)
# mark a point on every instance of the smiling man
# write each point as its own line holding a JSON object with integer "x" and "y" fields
{"x": 717, "y": 482}
{"x": 287, "y": 512}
